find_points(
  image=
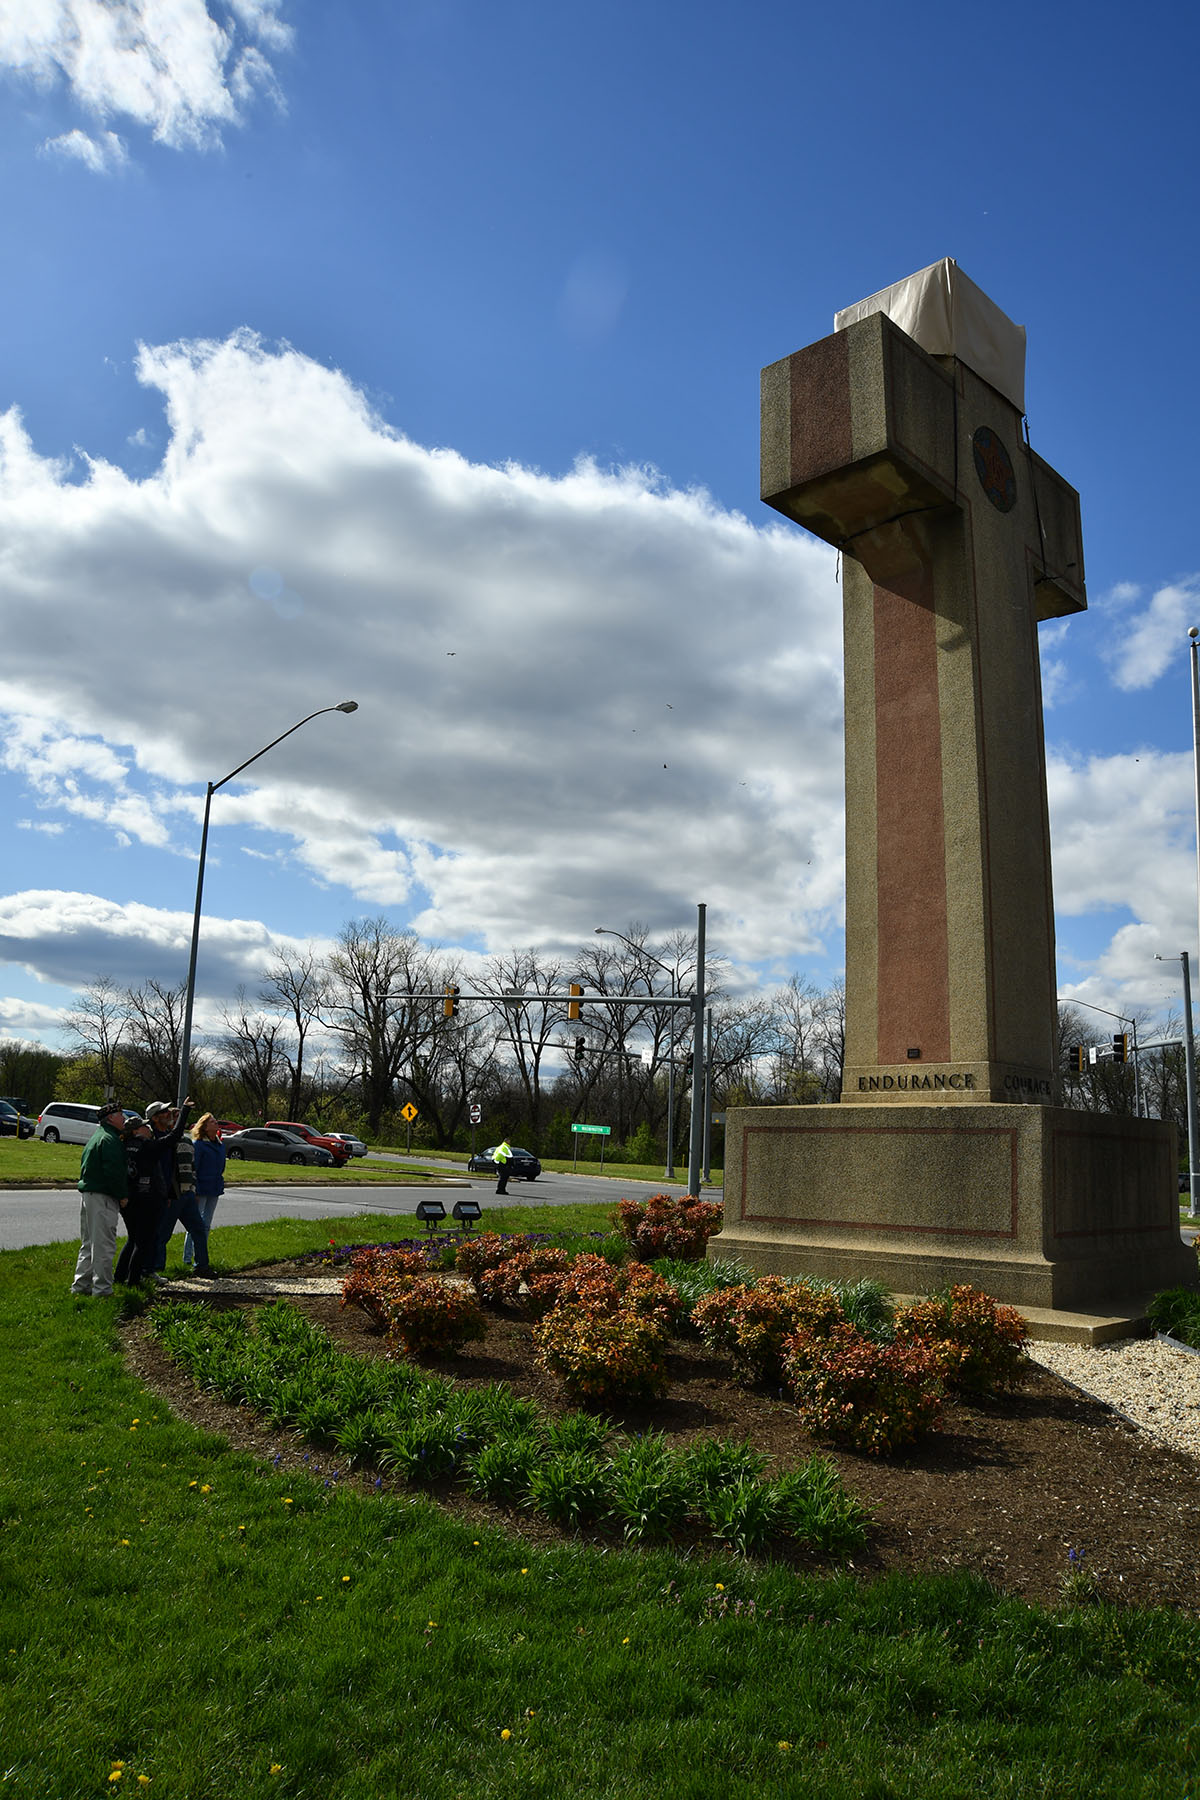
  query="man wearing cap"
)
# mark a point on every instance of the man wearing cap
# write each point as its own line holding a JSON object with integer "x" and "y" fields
{"x": 179, "y": 1183}
{"x": 103, "y": 1188}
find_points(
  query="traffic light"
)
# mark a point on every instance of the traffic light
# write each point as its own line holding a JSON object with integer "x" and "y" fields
{"x": 578, "y": 1050}
{"x": 1075, "y": 1059}
{"x": 450, "y": 1003}
{"x": 573, "y": 1002}
{"x": 1121, "y": 1047}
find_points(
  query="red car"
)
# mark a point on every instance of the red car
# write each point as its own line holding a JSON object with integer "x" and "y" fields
{"x": 335, "y": 1146}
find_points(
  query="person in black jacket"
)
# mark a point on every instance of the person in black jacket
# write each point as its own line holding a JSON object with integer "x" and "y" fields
{"x": 144, "y": 1207}
{"x": 179, "y": 1183}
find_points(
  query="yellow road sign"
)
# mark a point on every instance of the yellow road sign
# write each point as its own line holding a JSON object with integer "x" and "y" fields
{"x": 408, "y": 1112}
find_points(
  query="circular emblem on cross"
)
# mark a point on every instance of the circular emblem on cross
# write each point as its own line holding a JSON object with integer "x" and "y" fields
{"x": 993, "y": 465}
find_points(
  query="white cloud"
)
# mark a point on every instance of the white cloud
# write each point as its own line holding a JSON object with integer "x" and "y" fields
{"x": 170, "y": 68}
{"x": 67, "y": 939}
{"x": 582, "y": 698}
{"x": 1148, "y": 641}
{"x": 104, "y": 154}
{"x": 28, "y": 1019}
{"x": 1123, "y": 843}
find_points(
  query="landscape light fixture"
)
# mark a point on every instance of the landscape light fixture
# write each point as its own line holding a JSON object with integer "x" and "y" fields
{"x": 431, "y": 1213}
{"x": 468, "y": 1213}
{"x": 185, "y": 1040}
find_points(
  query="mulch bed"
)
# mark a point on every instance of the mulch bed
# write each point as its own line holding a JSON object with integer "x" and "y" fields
{"x": 1006, "y": 1489}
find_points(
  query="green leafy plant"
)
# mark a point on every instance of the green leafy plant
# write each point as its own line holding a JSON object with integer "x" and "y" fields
{"x": 425, "y": 1450}
{"x": 711, "y": 1464}
{"x": 651, "y": 1493}
{"x": 978, "y": 1343}
{"x": 572, "y": 1488}
{"x": 746, "y": 1516}
{"x": 503, "y": 1470}
{"x": 815, "y": 1508}
{"x": 1177, "y": 1311}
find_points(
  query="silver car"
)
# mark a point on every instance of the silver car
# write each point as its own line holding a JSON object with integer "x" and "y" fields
{"x": 270, "y": 1143}
{"x": 354, "y": 1145}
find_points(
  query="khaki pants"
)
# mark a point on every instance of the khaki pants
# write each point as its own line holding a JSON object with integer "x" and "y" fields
{"x": 98, "y": 1216}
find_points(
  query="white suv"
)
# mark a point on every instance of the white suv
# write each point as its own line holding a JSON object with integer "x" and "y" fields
{"x": 67, "y": 1122}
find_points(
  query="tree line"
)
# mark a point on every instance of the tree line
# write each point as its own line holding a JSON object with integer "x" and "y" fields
{"x": 350, "y": 1038}
{"x": 347, "y": 1040}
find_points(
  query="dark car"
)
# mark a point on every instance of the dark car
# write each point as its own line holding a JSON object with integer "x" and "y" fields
{"x": 335, "y": 1147}
{"x": 264, "y": 1143}
{"x": 14, "y": 1123}
{"x": 523, "y": 1165}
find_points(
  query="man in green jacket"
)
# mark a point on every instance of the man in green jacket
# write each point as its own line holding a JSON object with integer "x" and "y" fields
{"x": 104, "y": 1189}
{"x": 502, "y": 1156}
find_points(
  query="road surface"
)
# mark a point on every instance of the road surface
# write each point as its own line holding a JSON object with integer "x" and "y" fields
{"x": 50, "y": 1215}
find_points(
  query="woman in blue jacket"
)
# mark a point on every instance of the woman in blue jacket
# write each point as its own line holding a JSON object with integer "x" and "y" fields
{"x": 210, "y": 1175}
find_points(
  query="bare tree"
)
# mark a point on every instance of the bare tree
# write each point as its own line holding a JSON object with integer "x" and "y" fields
{"x": 528, "y": 1029}
{"x": 298, "y": 984}
{"x": 375, "y": 974}
{"x": 253, "y": 1049}
{"x": 97, "y": 1022}
{"x": 155, "y": 1038}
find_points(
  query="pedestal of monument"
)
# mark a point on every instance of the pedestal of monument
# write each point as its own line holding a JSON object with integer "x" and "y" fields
{"x": 1038, "y": 1205}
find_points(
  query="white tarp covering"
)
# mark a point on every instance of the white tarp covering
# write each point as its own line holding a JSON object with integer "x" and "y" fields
{"x": 942, "y": 310}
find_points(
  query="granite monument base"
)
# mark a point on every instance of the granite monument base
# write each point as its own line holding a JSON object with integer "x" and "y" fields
{"x": 1039, "y": 1206}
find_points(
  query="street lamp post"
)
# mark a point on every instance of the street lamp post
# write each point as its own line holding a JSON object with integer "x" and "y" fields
{"x": 185, "y": 1046}
{"x": 603, "y": 931}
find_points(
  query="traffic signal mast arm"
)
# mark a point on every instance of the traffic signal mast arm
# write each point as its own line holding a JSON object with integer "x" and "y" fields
{"x": 685, "y": 1000}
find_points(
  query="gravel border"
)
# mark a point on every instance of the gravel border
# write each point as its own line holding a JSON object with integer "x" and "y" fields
{"x": 1150, "y": 1383}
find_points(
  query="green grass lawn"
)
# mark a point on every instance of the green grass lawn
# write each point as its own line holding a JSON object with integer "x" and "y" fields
{"x": 199, "y": 1624}
{"x": 30, "y": 1160}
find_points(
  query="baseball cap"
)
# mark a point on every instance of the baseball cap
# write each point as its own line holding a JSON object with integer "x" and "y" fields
{"x": 158, "y": 1106}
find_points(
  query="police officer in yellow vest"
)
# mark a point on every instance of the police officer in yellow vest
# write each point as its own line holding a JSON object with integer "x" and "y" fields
{"x": 501, "y": 1156}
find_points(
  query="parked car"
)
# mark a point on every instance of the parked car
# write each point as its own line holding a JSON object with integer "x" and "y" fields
{"x": 17, "y": 1104}
{"x": 14, "y": 1123}
{"x": 71, "y": 1122}
{"x": 523, "y": 1165}
{"x": 268, "y": 1143}
{"x": 67, "y": 1122}
{"x": 225, "y": 1126}
{"x": 322, "y": 1139}
{"x": 354, "y": 1145}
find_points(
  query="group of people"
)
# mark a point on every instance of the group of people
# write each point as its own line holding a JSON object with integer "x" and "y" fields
{"x": 149, "y": 1174}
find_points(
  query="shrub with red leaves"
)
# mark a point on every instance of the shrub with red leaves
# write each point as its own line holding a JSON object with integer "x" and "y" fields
{"x": 527, "y": 1281}
{"x": 751, "y": 1324}
{"x": 979, "y": 1344}
{"x": 602, "y": 1357}
{"x": 477, "y": 1257}
{"x": 427, "y": 1314}
{"x": 869, "y": 1396}
{"x": 373, "y": 1273}
{"x": 663, "y": 1226}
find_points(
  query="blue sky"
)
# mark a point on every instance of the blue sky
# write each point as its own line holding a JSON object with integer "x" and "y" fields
{"x": 410, "y": 352}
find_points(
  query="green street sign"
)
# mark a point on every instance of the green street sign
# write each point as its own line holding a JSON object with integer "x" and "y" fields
{"x": 594, "y": 1130}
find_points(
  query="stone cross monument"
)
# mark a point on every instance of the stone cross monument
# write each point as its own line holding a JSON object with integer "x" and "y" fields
{"x": 899, "y": 440}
